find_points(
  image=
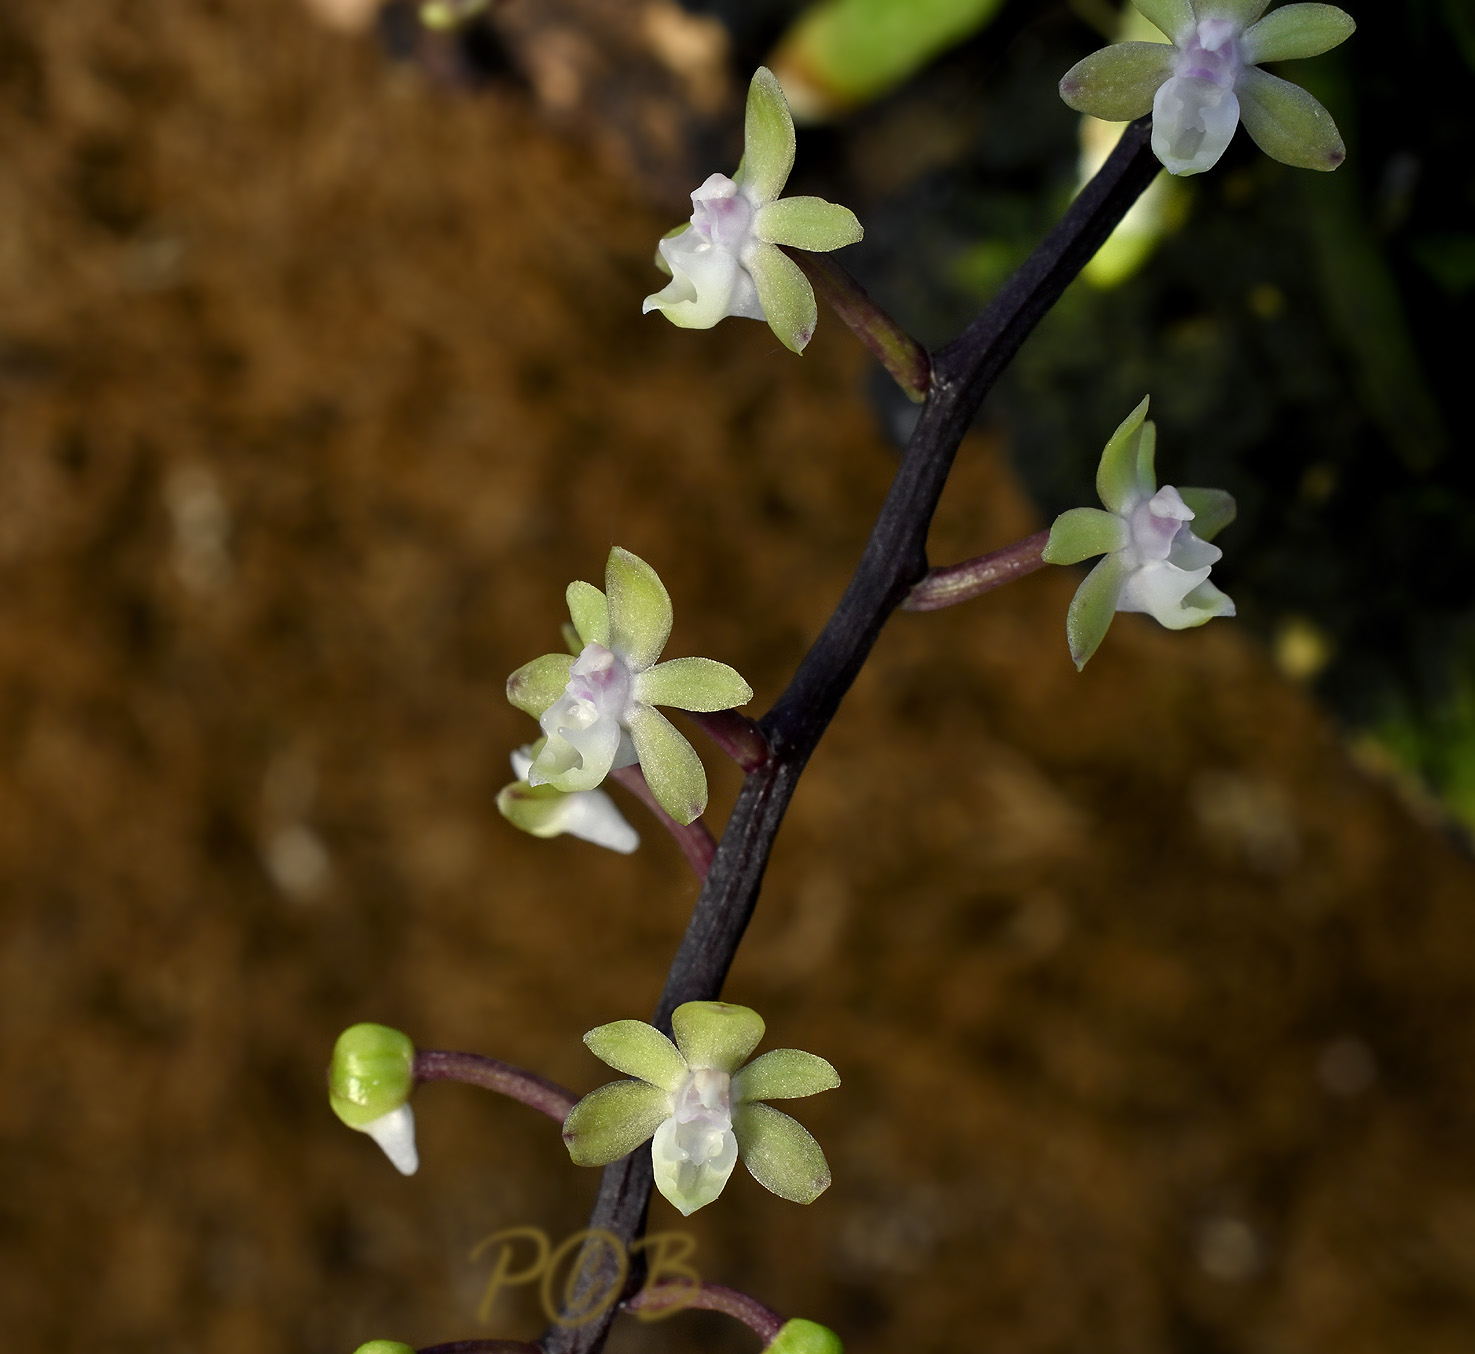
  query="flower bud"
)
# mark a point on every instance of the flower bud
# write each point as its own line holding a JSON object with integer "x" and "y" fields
{"x": 384, "y": 1347}
{"x": 371, "y": 1075}
{"x": 803, "y": 1337}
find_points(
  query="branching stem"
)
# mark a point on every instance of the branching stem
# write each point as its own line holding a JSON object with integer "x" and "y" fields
{"x": 710, "y": 1297}
{"x": 893, "y": 563}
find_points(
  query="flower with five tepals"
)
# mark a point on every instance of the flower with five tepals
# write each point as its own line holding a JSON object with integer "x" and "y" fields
{"x": 727, "y": 261}
{"x": 700, "y": 1101}
{"x": 1207, "y": 80}
{"x": 543, "y": 811}
{"x": 597, "y": 707}
{"x": 1155, "y": 562}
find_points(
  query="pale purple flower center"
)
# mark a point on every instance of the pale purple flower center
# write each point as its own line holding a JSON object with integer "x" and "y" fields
{"x": 703, "y": 1115}
{"x": 1155, "y": 523}
{"x": 1211, "y": 53}
{"x": 721, "y": 213}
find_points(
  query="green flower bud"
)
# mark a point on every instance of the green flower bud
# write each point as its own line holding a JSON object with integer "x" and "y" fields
{"x": 391, "y": 1347}
{"x": 371, "y": 1075}
{"x": 802, "y": 1337}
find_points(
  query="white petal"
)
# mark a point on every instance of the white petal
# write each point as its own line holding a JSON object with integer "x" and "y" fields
{"x": 1189, "y": 552}
{"x": 395, "y": 1133}
{"x": 1192, "y": 123}
{"x": 592, "y": 816}
{"x": 692, "y": 1164}
{"x": 705, "y": 283}
{"x": 1159, "y": 589}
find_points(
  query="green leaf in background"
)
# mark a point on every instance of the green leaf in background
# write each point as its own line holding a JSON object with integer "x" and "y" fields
{"x": 841, "y": 54}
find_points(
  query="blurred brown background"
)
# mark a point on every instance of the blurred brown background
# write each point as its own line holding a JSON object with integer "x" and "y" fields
{"x": 317, "y": 385}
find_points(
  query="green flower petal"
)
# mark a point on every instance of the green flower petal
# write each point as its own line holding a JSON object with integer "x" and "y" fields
{"x": 1213, "y": 510}
{"x": 784, "y": 1074}
{"x": 1092, "y": 608}
{"x": 1118, "y": 481}
{"x": 372, "y": 1073}
{"x": 671, "y": 766}
{"x": 1293, "y": 32}
{"x": 1118, "y": 83}
{"x": 718, "y": 1034}
{"x": 700, "y": 684}
{"x": 535, "y": 809}
{"x": 1146, "y": 456}
{"x": 768, "y": 139}
{"x": 1170, "y": 16}
{"x": 536, "y": 685}
{"x": 639, "y": 1050}
{"x": 805, "y": 1337}
{"x": 613, "y": 1121}
{"x": 639, "y": 609}
{"x": 808, "y": 223}
{"x": 1082, "y": 532}
{"x": 1241, "y": 13}
{"x": 589, "y": 610}
{"x": 1287, "y": 123}
{"x": 780, "y": 1153}
{"x": 785, "y": 295}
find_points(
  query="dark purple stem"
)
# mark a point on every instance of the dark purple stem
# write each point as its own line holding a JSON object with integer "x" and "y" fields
{"x": 956, "y": 583}
{"x": 710, "y": 1297}
{"x": 737, "y": 735}
{"x": 694, "y": 839}
{"x": 547, "y": 1097}
{"x": 904, "y": 358}
{"x": 893, "y": 563}
{"x": 481, "y": 1347}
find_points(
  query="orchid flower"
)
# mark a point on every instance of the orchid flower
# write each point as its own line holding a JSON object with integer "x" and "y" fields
{"x": 727, "y": 261}
{"x": 1207, "y": 80}
{"x": 1155, "y": 562}
{"x": 701, "y": 1106}
{"x": 543, "y": 811}
{"x": 597, "y": 708}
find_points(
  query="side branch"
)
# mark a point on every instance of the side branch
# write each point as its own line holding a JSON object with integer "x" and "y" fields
{"x": 903, "y": 357}
{"x": 956, "y": 583}
{"x": 547, "y": 1097}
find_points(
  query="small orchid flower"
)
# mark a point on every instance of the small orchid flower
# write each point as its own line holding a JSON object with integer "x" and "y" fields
{"x": 597, "y": 708}
{"x": 1155, "y": 562}
{"x": 369, "y": 1084}
{"x": 543, "y": 811}
{"x": 702, "y": 1106}
{"x": 1208, "y": 81}
{"x": 728, "y": 260}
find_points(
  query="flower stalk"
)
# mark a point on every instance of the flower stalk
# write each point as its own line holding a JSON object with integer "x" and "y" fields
{"x": 547, "y": 1097}
{"x": 906, "y": 361}
{"x": 709, "y": 1297}
{"x": 694, "y": 838}
{"x": 954, "y": 583}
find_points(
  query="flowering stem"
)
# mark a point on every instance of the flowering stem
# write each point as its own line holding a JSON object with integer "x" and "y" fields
{"x": 694, "y": 839}
{"x": 897, "y": 351}
{"x": 737, "y": 735}
{"x": 547, "y": 1097}
{"x": 710, "y": 1297}
{"x": 893, "y": 563}
{"x": 956, "y": 583}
